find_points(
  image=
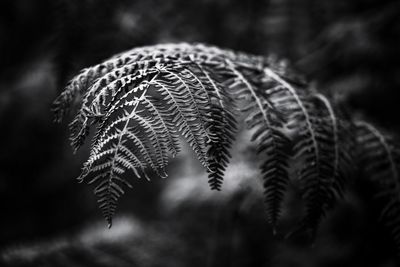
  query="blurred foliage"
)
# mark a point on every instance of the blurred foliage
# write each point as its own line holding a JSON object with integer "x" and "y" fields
{"x": 348, "y": 48}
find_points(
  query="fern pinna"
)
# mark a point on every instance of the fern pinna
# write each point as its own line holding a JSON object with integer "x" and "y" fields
{"x": 144, "y": 100}
{"x": 380, "y": 154}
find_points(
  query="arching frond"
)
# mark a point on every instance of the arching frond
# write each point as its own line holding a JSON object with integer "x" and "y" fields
{"x": 380, "y": 156}
{"x": 141, "y": 101}
{"x": 322, "y": 190}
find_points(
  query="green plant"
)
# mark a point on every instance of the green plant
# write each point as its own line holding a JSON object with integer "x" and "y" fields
{"x": 144, "y": 99}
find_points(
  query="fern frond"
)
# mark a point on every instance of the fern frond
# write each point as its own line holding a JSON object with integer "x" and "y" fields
{"x": 142, "y": 100}
{"x": 272, "y": 143}
{"x": 173, "y": 99}
{"x": 380, "y": 155}
{"x": 212, "y": 90}
{"x": 300, "y": 127}
{"x": 274, "y": 169}
{"x": 108, "y": 191}
{"x": 223, "y": 126}
{"x": 316, "y": 145}
{"x": 322, "y": 190}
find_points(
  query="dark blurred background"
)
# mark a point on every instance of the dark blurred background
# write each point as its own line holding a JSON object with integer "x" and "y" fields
{"x": 349, "y": 49}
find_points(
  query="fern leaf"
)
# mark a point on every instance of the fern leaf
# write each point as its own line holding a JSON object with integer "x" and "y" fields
{"x": 180, "y": 92}
{"x": 299, "y": 112}
{"x": 108, "y": 191}
{"x": 322, "y": 190}
{"x": 143, "y": 99}
{"x": 381, "y": 157}
{"x": 220, "y": 121}
{"x": 272, "y": 143}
